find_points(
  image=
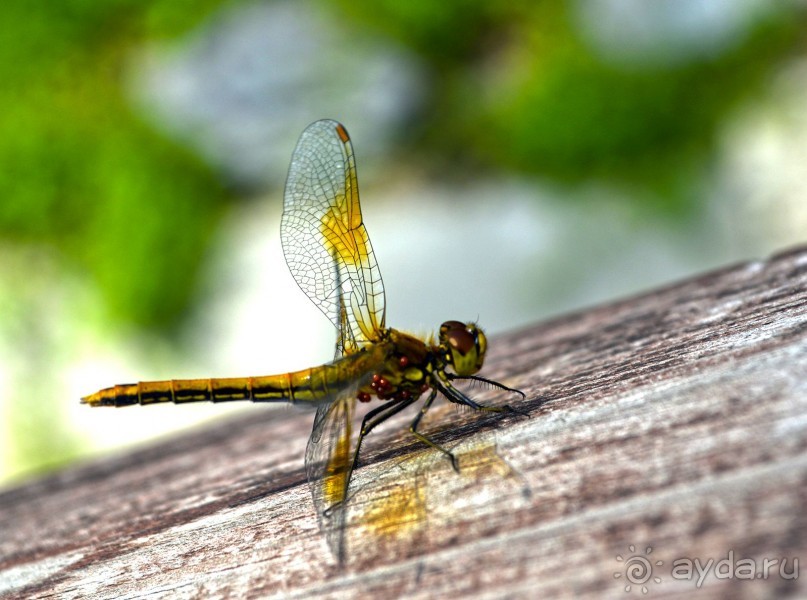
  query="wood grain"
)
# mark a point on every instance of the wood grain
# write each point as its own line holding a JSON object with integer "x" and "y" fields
{"x": 675, "y": 420}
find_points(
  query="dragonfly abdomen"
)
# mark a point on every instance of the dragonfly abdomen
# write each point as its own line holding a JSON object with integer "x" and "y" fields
{"x": 309, "y": 385}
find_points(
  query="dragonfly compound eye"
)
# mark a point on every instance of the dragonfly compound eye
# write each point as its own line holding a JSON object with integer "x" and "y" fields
{"x": 465, "y": 345}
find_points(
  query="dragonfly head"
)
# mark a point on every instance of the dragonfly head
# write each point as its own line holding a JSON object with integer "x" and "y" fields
{"x": 464, "y": 345}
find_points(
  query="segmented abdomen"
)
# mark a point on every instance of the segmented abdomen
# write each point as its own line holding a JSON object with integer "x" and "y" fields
{"x": 313, "y": 385}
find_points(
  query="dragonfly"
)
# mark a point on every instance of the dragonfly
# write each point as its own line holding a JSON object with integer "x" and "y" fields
{"x": 328, "y": 252}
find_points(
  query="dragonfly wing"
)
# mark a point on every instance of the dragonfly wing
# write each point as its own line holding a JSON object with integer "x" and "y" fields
{"x": 328, "y": 462}
{"x": 324, "y": 239}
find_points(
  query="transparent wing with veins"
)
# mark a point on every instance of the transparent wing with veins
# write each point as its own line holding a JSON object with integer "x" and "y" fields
{"x": 324, "y": 240}
{"x": 328, "y": 461}
{"x": 330, "y": 256}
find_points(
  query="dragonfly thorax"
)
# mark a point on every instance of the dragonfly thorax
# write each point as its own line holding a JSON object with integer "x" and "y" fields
{"x": 411, "y": 363}
{"x": 406, "y": 372}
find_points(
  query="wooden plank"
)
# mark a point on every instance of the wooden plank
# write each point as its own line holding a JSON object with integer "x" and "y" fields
{"x": 676, "y": 420}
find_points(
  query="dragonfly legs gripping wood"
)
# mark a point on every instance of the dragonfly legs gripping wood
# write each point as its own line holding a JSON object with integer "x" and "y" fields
{"x": 414, "y": 426}
{"x": 381, "y": 413}
{"x": 456, "y": 396}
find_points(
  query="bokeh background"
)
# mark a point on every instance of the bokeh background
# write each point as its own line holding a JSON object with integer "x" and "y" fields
{"x": 516, "y": 160}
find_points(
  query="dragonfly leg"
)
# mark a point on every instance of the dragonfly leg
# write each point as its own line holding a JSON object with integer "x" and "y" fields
{"x": 457, "y": 397}
{"x": 373, "y": 418}
{"x": 487, "y": 381}
{"x": 414, "y": 426}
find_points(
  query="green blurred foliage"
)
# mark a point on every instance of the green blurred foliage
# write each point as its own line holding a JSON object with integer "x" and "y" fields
{"x": 520, "y": 89}
{"x": 515, "y": 87}
{"x": 82, "y": 175}
{"x": 80, "y": 171}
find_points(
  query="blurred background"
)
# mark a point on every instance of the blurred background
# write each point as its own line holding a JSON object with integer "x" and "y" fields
{"x": 517, "y": 161}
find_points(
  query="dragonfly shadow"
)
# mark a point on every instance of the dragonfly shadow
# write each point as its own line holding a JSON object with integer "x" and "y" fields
{"x": 410, "y": 505}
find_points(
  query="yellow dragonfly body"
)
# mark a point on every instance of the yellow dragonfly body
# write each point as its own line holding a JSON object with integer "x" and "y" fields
{"x": 328, "y": 251}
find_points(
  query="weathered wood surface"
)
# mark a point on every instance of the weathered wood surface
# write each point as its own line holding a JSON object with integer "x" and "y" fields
{"x": 676, "y": 420}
